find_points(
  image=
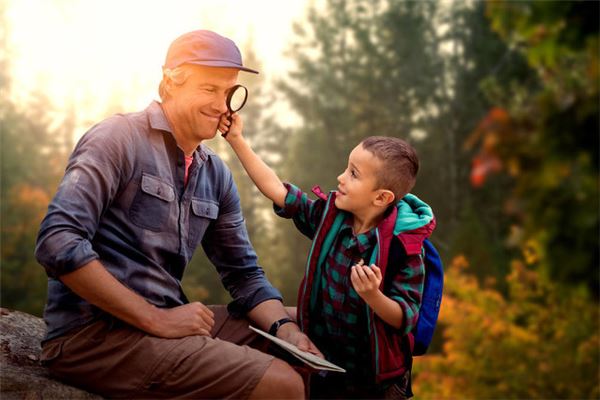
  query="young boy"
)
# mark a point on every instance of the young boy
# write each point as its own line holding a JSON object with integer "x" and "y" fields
{"x": 362, "y": 289}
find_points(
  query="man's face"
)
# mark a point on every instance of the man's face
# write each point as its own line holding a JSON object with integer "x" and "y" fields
{"x": 357, "y": 184}
{"x": 196, "y": 106}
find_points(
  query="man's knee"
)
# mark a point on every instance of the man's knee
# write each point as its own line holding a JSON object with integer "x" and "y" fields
{"x": 279, "y": 381}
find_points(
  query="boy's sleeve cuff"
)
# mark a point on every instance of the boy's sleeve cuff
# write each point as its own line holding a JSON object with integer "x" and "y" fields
{"x": 291, "y": 203}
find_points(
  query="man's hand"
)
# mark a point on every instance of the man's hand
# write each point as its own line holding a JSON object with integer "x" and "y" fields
{"x": 292, "y": 334}
{"x": 99, "y": 287}
{"x": 366, "y": 280}
{"x": 186, "y": 320}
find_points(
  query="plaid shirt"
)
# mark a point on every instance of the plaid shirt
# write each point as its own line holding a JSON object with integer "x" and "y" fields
{"x": 339, "y": 326}
{"x": 123, "y": 201}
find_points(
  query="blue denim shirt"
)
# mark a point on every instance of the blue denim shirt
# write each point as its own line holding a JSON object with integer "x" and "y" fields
{"x": 123, "y": 201}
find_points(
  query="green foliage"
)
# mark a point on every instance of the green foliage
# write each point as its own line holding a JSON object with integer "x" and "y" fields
{"x": 549, "y": 145}
{"x": 32, "y": 158}
{"x": 511, "y": 84}
{"x": 405, "y": 69}
{"x": 356, "y": 76}
{"x": 363, "y": 68}
{"x": 471, "y": 52}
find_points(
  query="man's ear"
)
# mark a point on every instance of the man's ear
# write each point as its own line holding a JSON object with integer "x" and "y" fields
{"x": 384, "y": 198}
{"x": 168, "y": 84}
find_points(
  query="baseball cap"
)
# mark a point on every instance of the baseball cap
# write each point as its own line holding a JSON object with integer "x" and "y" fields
{"x": 207, "y": 48}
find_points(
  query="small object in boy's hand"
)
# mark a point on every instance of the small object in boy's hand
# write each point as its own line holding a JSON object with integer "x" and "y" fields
{"x": 360, "y": 263}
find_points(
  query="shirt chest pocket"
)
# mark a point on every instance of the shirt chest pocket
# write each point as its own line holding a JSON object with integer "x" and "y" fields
{"x": 152, "y": 204}
{"x": 203, "y": 212}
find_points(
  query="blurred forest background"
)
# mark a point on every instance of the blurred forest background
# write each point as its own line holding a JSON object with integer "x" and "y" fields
{"x": 500, "y": 98}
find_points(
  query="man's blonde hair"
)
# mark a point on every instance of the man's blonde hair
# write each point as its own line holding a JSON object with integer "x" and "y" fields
{"x": 178, "y": 75}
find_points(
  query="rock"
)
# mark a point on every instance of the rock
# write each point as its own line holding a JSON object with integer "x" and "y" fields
{"x": 21, "y": 375}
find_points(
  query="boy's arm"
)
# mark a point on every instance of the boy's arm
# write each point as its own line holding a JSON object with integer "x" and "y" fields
{"x": 366, "y": 281}
{"x": 261, "y": 174}
{"x": 405, "y": 289}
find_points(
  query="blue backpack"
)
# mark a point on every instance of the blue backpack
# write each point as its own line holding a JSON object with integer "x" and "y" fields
{"x": 432, "y": 299}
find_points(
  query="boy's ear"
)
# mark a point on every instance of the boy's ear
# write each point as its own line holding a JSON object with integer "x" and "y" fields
{"x": 384, "y": 198}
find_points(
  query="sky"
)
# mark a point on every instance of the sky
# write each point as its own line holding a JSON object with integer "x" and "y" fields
{"x": 98, "y": 56}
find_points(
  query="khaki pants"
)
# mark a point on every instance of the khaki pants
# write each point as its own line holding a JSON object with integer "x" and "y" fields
{"x": 116, "y": 360}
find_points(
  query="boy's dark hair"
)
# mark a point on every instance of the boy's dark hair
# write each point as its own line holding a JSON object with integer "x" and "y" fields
{"x": 400, "y": 164}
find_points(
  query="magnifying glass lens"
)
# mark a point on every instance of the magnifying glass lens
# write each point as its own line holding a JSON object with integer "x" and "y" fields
{"x": 237, "y": 98}
{"x": 235, "y": 101}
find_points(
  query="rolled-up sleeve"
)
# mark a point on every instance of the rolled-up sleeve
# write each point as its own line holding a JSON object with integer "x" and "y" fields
{"x": 91, "y": 180}
{"x": 227, "y": 245}
{"x": 407, "y": 290}
{"x": 305, "y": 212}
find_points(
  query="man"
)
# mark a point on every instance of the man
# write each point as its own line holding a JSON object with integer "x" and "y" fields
{"x": 139, "y": 194}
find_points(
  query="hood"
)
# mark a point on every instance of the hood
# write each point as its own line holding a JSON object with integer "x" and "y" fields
{"x": 414, "y": 223}
{"x": 413, "y": 213}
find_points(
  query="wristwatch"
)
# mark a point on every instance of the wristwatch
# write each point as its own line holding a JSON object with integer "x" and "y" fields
{"x": 275, "y": 327}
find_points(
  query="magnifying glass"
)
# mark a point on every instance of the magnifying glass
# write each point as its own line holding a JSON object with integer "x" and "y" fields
{"x": 235, "y": 101}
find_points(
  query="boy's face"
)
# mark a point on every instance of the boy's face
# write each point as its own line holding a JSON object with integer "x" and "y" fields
{"x": 357, "y": 189}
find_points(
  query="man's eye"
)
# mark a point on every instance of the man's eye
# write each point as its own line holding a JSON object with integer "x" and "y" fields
{"x": 353, "y": 173}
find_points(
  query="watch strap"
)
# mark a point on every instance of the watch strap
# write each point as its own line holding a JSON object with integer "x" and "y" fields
{"x": 275, "y": 327}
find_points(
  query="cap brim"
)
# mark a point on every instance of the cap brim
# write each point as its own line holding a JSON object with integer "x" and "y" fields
{"x": 222, "y": 64}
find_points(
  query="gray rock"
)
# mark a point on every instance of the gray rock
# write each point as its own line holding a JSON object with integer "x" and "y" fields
{"x": 21, "y": 375}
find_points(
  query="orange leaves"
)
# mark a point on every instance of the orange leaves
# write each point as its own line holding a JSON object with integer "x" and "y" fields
{"x": 483, "y": 165}
{"x": 27, "y": 205}
{"x": 539, "y": 341}
{"x": 488, "y": 136}
{"x": 29, "y": 197}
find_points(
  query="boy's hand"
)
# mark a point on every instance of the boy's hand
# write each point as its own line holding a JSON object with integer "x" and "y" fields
{"x": 366, "y": 280}
{"x": 231, "y": 130}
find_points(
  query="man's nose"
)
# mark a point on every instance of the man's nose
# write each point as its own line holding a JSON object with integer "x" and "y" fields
{"x": 340, "y": 176}
{"x": 220, "y": 103}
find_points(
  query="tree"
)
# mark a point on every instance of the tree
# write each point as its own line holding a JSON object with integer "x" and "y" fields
{"x": 470, "y": 221}
{"x": 32, "y": 158}
{"x": 547, "y": 142}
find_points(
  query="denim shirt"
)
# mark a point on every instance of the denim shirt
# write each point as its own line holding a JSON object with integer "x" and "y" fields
{"x": 123, "y": 202}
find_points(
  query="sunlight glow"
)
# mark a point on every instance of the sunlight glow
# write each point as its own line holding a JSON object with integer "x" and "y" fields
{"x": 101, "y": 57}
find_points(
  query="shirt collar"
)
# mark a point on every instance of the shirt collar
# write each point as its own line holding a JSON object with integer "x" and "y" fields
{"x": 364, "y": 241}
{"x": 158, "y": 120}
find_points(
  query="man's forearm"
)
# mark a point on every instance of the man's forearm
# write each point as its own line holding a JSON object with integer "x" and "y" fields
{"x": 95, "y": 284}
{"x": 267, "y": 312}
{"x": 270, "y": 311}
{"x": 99, "y": 287}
